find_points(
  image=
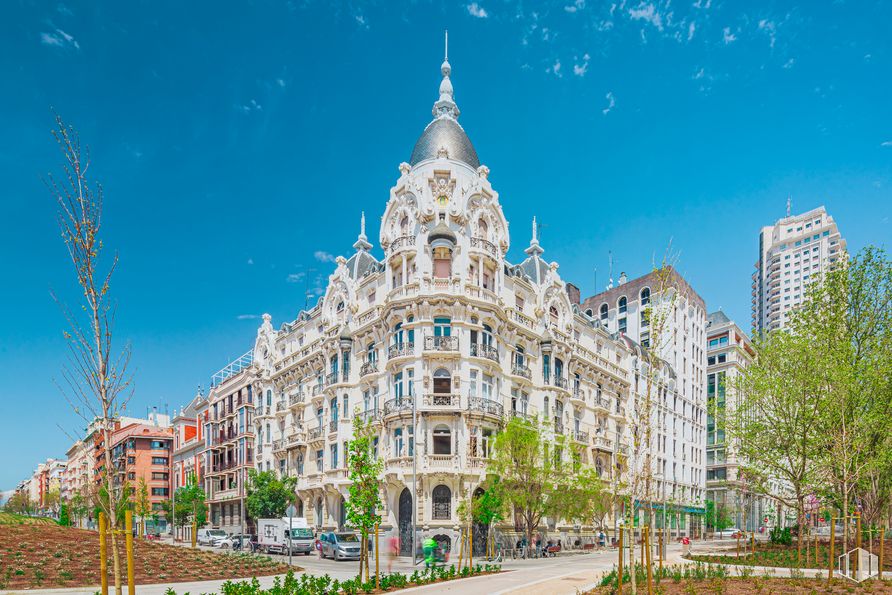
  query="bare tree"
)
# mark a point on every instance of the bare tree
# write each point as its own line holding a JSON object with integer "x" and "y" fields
{"x": 653, "y": 371}
{"x": 95, "y": 383}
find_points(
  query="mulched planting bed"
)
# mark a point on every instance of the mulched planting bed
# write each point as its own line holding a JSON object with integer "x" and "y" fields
{"x": 773, "y": 586}
{"x": 39, "y": 556}
{"x": 786, "y": 557}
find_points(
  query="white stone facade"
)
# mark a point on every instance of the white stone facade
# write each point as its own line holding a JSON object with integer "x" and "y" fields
{"x": 438, "y": 343}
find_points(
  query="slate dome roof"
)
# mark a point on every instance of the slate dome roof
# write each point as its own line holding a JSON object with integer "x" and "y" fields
{"x": 447, "y": 133}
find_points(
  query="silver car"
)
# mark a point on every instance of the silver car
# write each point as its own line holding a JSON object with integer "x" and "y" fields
{"x": 339, "y": 546}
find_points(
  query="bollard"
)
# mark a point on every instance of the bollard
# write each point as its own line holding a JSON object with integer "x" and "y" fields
{"x": 128, "y": 541}
{"x": 619, "y": 578}
{"x": 377, "y": 576}
{"x": 103, "y": 555}
{"x": 832, "y": 545}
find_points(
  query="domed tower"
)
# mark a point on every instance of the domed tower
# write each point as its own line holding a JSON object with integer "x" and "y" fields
{"x": 443, "y": 225}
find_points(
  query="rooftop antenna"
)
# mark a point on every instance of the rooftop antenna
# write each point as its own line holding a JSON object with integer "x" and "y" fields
{"x": 596, "y": 279}
{"x": 446, "y": 48}
{"x": 789, "y": 204}
{"x": 610, "y": 276}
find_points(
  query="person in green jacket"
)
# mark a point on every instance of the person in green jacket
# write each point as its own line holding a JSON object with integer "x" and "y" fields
{"x": 430, "y": 552}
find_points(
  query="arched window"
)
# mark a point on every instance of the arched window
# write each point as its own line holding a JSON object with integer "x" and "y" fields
{"x": 589, "y": 313}
{"x": 645, "y": 296}
{"x": 553, "y": 312}
{"x": 269, "y": 398}
{"x": 604, "y": 312}
{"x": 442, "y": 262}
{"x": 622, "y": 305}
{"x": 372, "y": 356}
{"x": 442, "y": 503}
{"x": 482, "y": 228}
{"x": 404, "y": 226}
{"x": 340, "y": 307}
{"x": 442, "y": 440}
{"x": 442, "y": 382}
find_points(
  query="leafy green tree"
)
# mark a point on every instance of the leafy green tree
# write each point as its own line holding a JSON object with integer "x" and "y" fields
{"x": 717, "y": 516}
{"x": 268, "y": 495}
{"x": 364, "y": 490}
{"x": 539, "y": 475}
{"x": 142, "y": 506}
{"x": 64, "y": 519}
{"x": 774, "y": 425}
{"x": 190, "y": 501}
{"x": 19, "y": 503}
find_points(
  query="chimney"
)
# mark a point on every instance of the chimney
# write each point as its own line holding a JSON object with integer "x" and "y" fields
{"x": 622, "y": 278}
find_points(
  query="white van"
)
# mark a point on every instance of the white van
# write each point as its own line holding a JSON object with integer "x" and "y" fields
{"x": 273, "y": 536}
{"x": 211, "y": 537}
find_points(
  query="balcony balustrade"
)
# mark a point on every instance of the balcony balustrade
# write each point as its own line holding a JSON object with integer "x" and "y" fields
{"x": 295, "y": 400}
{"x": 441, "y": 343}
{"x": 441, "y": 461}
{"x": 484, "y": 245}
{"x": 333, "y": 425}
{"x": 331, "y": 379}
{"x": 442, "y": 400}
{"x": 314, "y": 434}
{"x": 558, "y": 381}
{"x": 369, "y": 367}
{"x": 401, "y": 243}
{"x": 521, "y": 370}
{"x": 580, "y": 436}
{"x": 316, "y": 390}
{"x": 522, "y": 319}
{"x": 370, "y": 416}
{"x": 398, "y": 404}
{"x": 485, "y": 351}
{"x": 281, "y": 406}
{"x": 486, "y": 406}
{"x": 401, "y": 349}
{"x": 522, "y": 415}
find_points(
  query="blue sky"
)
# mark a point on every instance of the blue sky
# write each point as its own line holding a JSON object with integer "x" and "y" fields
{"x": 237, "y": 145}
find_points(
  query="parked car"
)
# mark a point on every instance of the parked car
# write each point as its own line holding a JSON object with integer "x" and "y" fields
{"x": 731, "y": 533}
{"x": 340, "y": 546}
{"x": 239, "y": 542}
{"x": 211, "y": 537}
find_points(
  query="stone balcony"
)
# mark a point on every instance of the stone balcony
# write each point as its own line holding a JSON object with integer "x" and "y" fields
{"x": 441, "y": 344}
{"x": 485, "y": 351}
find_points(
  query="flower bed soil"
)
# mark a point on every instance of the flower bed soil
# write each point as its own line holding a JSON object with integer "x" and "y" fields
{"x": 786, "y": 557}
{"x": 37, "y": 556}
{"x": 758, "y": 585}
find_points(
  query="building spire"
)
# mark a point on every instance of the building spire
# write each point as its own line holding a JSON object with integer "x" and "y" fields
{"x": 535, "y": 249}
{"x": 445, "y": 105}
{"x": 362, "y": 242}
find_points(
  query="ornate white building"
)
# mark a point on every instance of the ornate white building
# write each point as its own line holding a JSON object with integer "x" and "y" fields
{"x": 438, "y": 344}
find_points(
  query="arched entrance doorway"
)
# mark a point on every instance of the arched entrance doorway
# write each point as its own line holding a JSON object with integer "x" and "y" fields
{"x": 480, "y": 530}
{"x": 404, "y": 521}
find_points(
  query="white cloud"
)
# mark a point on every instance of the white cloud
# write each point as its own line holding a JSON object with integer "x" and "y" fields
{"x": 699, "y": 74}
{"x": 251, "y": 106}
{"x": 648, "y": 13}
{"x": 295, "y": 277}
{"x": 770, "y": 28}
{"x": 886, "y": 143}
{"x": 789, "y": 63}
{"x": 250, "y": 261}
{"x": 64, "y": 10}
{"x": 280, "y": 82}
{"x": 580, "y": 69}
{"x": 360, "y": 20}
{"x": 555, "y": 69}
{"x": 59, "y": 38}
{"x": 727, "y": 36}
{"x": 475, "y": 10}
{"x": 247, "y": 316}
{"x": 576, "y": 6}
{"x": 323, "y": 256}
{"x": 611, "y": 102}
{"x": 702, "y": 4}
{"x": 691, "y": 28}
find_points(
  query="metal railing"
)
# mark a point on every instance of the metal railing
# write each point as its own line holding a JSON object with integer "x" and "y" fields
{"x": 401, "y": 349}
{"x": 487, "y": 406}
{"x": 522, "y": 371}
{"x": 400, "y": 243}
{"x": 484, "y": 245}
{"x": 442, "y": 400}
{"x": 398, "y": 404}
{"x": 368, "y": 367}
{"x": 484, "y": 350}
